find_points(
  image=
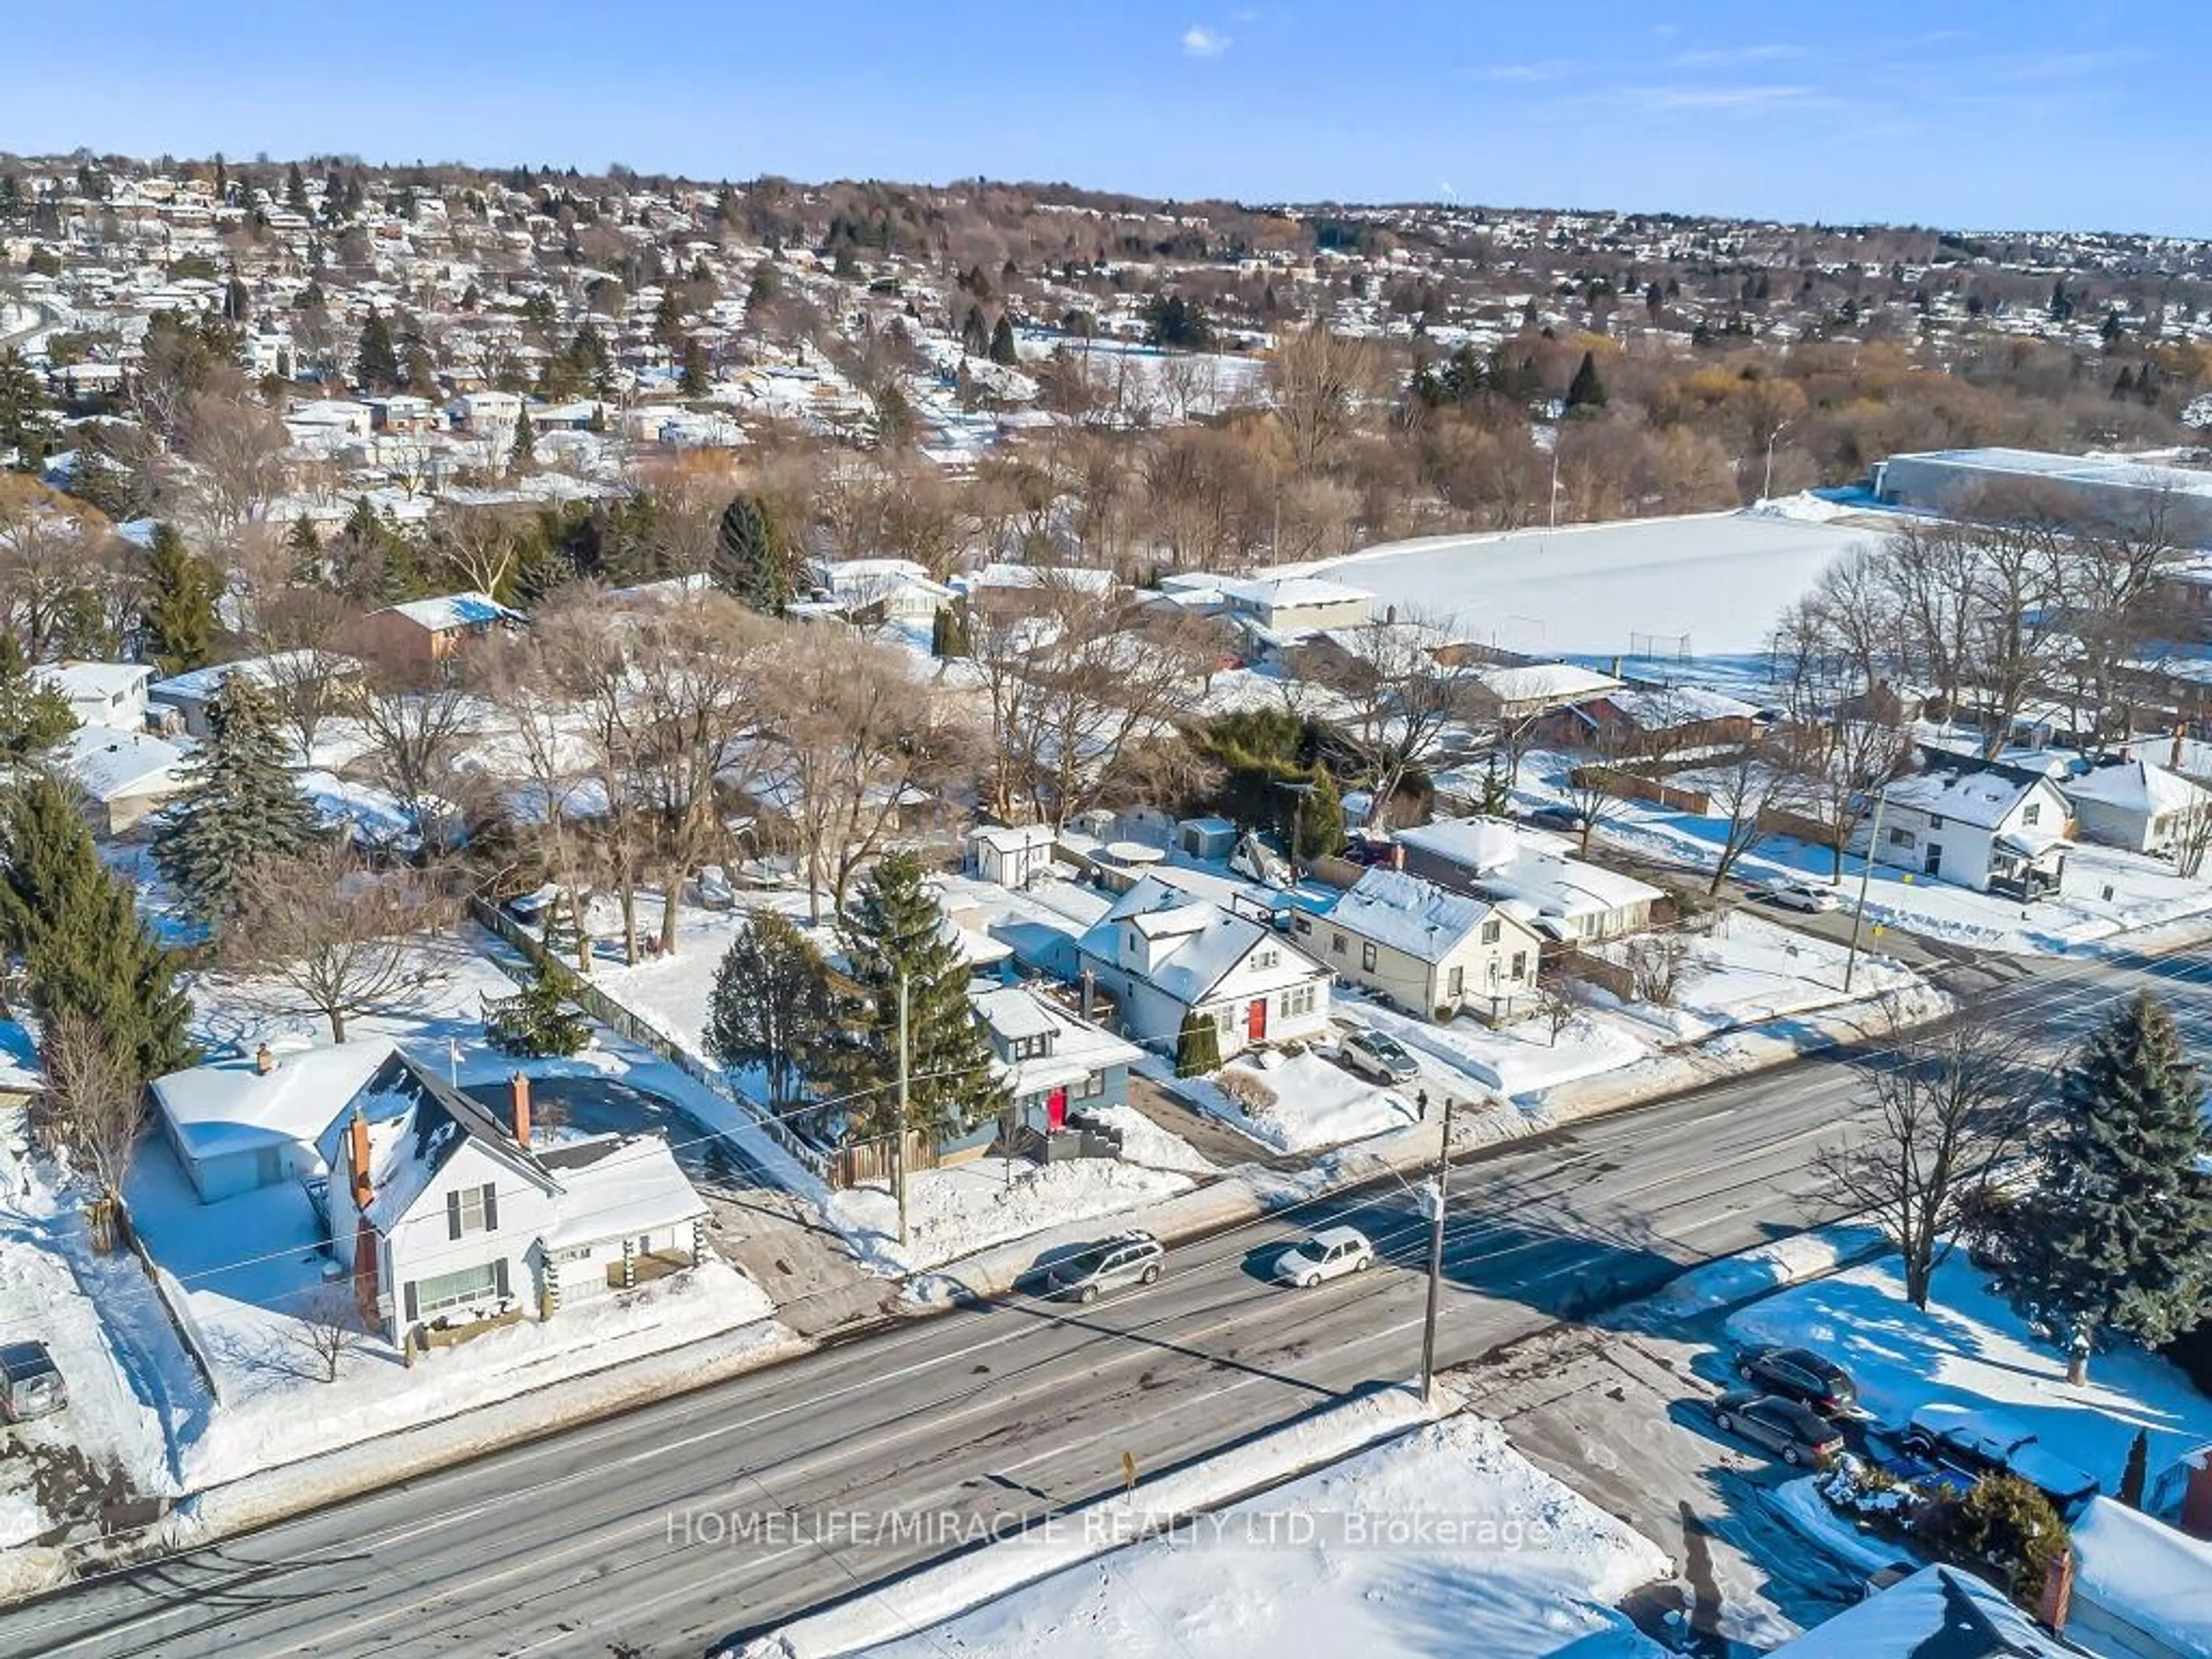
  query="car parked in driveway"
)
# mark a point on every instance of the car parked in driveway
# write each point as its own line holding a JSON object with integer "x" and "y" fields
{"x": 1796, "y": 1434}
{"x": 1112, "y": 1264}
{"x": 1801, "y": 1374}
{"x": 1374, "y": 1055}
{"x": 1978, "y": 1441}
{"x": 30, "y": 1383}
{"x": 1329, "y": 1254}
{"x": 1799, "y": 896}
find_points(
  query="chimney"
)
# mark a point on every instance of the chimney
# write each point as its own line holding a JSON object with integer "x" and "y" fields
{"x": 1088, "y": 982}
{"x": 358, "y": 1156}
{"x": 265, "y": 1061}
{"x": 519, "y": 1087}
{"x": 2057, "y": 1593}
{"x": 2197, "y": 1496}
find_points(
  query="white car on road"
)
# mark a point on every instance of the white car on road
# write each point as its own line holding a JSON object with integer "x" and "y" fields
{"x": 1800, "y": 896}
{"x": 1329, "y": 1254}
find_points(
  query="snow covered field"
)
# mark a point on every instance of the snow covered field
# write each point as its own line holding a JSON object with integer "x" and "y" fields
{"x": 1709, "y": 586}
{"x": 1443, "y": 1542}
{"x": 1972, "y": 1348}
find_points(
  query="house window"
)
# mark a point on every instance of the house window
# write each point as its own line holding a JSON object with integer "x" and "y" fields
{"x": 1298, "y": 1000}
{"x": 2031, "y": 812}
{"x": 1935, "y": 820}
{"x": 1490, "y": 931}
{"x": 1367, "y": 956}
{"x": 1900, "y": 838}
{"x": 1336, "y": 944}
{"x": 443, "y": 1290}
{"x": 1094, "y": 1085}
{"x": 1519, "y": 964}
{"x": 1304, "y": 924}
{"x": 1225, "y": 1021}
{"x": 1455, "y": 983}
{"x": 1267, "y": 958}
{"x": 471, "y": 1210}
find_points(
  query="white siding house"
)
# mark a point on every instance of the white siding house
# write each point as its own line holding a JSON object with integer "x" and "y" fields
{"x": 2136, "y": 804}
{"x": 1531, "y": 876}
{"x": 1429, "y": 950}
{"x": 1161, "y": 955}
{"x": 1994, "y": 831}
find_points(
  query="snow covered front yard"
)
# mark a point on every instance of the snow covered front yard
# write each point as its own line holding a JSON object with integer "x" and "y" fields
{"x": 1972, "y": 1348}
{"x": 1443, "y": 1541}
{"x": 956, "y": 1212}
{"x": 1301, "y": 1102}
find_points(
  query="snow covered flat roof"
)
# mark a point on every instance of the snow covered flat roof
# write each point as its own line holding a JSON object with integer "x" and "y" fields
{"x": 106, "y": 763}
{"x": 92, "y": 681}
{"x": 452, "y": 610}
{"x": 1561, "y": 681}
{"x": 2072, "y": 469}
{"x": 201, "y": 684}
{"x": 1290, "y": 592}
{"x": 635, "y": 1188}
{"x": 228, "y": 1105}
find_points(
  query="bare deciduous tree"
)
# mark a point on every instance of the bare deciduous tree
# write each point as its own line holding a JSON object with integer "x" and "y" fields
{"x": 334, "y": 937}
{"x": 418, "y": 724}
{"x": 1397, "y": 700}
{"x": 92, "y": 1107}
{"x": 1943, "y": 1112}
{"x": 325, "y": 1327}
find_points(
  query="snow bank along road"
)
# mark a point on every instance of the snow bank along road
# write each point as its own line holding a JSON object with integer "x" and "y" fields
{"x": 665, "y": 1530}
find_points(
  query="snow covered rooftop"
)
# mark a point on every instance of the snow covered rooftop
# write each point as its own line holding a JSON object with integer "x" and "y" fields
{"x": 106, "y": 763}
{"x": 277, "y": 667}
{"x": 623, "y": 1188}
{"x": 456, "y": 610}
{"x": 2155, "y": 1577}
{"x": 1545, "y": 682}
{"x": 1983, "y": 799}
{"x": 2071, "y": 469}
{"x": 1479, "y": 843}
{"x": 1196, "y": 943}
{"x": 1939, "y": 1612}
{"x": 93, "y": 682}
{"x": 1679, "y": 705}
{"x": 2134, "y": 785}
{"x": 1291, "y": 593}
{"x": 230, "y": 1105}
{"x": 1408, "y": 914}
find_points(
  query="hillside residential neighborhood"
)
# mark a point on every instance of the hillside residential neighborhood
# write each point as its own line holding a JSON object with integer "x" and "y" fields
{"x": 751, "y": 917}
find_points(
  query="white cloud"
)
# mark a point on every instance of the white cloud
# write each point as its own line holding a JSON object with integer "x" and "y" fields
{"x": 1199, "y": 41}
{"x": 1549, "y": 69}
{"x": 1721, "y": 57}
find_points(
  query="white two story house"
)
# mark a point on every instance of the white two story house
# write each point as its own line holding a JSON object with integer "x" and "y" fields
{"x": 1163, "y": 955}
{"x": 1994, "y": 830}
{"x": 447, "y": 1211}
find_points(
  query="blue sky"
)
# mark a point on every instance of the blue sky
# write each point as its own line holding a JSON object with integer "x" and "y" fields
{"x": 1975, "y": 112}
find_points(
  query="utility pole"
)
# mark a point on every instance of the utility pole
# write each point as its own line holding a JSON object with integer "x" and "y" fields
{"x": 1866, "y": 871}
{"x": 898, "y": 1135}
{"x": 1766, "y": 483}
{"x": 1436, "y": 1260}
{"x": 1552, "y": 522}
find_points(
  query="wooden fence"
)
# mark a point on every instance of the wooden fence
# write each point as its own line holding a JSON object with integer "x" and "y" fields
{"x": 865, "y": 1161}
{"x": 1612, "y": 781}
{"x": 612, "y": 1014}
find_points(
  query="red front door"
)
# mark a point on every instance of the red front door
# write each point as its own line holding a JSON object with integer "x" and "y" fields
{"x": 1056, "y": 1110}
{"x": 1256, "y": 1019}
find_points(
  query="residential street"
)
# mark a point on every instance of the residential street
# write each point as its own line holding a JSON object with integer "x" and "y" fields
{"x": 592, "y": 1542}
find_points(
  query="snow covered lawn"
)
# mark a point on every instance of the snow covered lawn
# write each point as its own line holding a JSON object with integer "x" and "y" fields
{"x": 1972, "y": 1348}
{"x": 250, "y": 1270}
{"x": 1750, "y": 969}
{"x": 1443, "y": 1541}
{"x": 1146, "y": 1144}
{"x": 1520, "y": 1061}
{"x": 1317, "y": 1103}
{"x": 989, "y": 1200}
{"x": 2143, "y": 891}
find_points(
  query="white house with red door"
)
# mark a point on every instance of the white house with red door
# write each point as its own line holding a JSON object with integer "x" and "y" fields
{"x": 1163, "y": 955}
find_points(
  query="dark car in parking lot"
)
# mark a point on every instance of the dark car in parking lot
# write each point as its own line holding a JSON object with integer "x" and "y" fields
{"x": 1796, "y": 1434}
{"x": 1563, "y": 819}
{"x": 1801, "y": 1374}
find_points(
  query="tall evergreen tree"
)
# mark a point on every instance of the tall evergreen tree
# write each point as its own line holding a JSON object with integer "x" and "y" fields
{"x": 1586, "y": 391}
{"x": 179, "y": 618}
{"x": 76, "y": 926}
{"x": 749, "y": 561}
{"x": 896, "y": 932}
{"x": 26, "y": 421}
{"x": 377, "y": 360}
{"x": 2116, "y": 1235}
{"x": 772, "y": 1004}
{"x": 240, "y": 805}
{"x": 1002, "y": 340}
{"x": 34, "y": 714}
{"x": 522, "y": 454}
{"x": 697, "y": 373}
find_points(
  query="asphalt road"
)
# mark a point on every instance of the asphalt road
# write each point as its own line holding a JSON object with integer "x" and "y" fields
{"x": 615, "y": 1538}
